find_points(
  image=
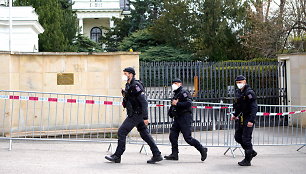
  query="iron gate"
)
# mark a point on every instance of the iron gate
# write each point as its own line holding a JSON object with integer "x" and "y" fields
{"x": 215, "y": 81}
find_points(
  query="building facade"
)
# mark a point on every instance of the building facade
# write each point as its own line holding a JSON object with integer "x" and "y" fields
{"x": 25, "y": 29}
{"x": 94, "y": 15}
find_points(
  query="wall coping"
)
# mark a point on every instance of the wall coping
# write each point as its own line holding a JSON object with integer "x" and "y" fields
{"x": 288, "y": 54}
{"x": 70, "y": 53}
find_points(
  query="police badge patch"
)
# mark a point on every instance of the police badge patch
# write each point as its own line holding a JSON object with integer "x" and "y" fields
{"x": 138, "y": 88}
{"x": 185, "y": 95}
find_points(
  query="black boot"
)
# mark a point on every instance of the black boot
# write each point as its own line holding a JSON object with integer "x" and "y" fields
{"x": 203, "y": 152}
{"x": 155, "y": 159}
{"x": 254, "y": 153}
{"x": 113, "y": 158}
{"x": 249, "y": 154}
{"x": 244, "y": 162}
{"x": 172, "y": 156}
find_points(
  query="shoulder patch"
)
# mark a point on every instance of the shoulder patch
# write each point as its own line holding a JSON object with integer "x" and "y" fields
{"x": 138, "y": 89}
{"x": 185, "y": 94}
{"x": 250, "y": 96}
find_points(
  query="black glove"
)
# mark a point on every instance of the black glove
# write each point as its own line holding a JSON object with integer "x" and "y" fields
{"x": 172, "y": 112}
{"x": 124, "y": 103}
{"x": 123, "y": 92}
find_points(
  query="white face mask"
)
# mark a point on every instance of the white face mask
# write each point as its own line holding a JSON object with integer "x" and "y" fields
{"x": 174, "y": 87}
{"x": 240, "y": 85}
{"x": 125, "y": 78}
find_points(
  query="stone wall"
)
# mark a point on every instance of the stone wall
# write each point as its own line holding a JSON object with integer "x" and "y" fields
{"x": 96, "y": 74}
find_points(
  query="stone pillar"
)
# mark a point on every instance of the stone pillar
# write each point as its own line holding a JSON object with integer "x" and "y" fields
{"x": 81, "y": 26}
{"x": 111, "y": 23}
{"x": 296, "y": 85}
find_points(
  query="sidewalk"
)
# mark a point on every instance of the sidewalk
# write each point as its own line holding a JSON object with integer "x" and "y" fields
{"x": 64, "y": 157}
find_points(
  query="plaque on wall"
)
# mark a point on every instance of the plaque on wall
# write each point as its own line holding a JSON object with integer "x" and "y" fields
{"x": 65, "y": 79}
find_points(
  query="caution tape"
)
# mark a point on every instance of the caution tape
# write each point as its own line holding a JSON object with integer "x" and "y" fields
{"x": 59, "y": 100}
{"x": 279, "y": 114}
{"x": 196, "y": 107}
{"x": 274, "y": 114}
{"x": 83, "y": 101}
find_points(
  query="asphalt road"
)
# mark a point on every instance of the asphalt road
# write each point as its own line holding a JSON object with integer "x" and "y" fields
{"x": 74, "y": 157}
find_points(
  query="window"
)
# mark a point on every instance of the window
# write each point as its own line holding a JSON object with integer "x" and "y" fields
{"x": 125, "y": 5}
{"x": 95, "y": 34}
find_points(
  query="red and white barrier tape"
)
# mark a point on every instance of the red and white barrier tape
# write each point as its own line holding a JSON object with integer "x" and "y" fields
{"x": 279, "y": 114}
{"x": 60, "y": 100}
{"x": 274, "y": 114}
{"x": 196, "y": 107}
{"x": 64, "y": 100}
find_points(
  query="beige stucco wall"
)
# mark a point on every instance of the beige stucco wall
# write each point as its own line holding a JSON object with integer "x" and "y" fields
{"x": 97, "y": 73}
{"x": 296, "y": 80}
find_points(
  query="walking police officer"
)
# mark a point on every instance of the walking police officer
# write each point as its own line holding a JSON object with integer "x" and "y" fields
{"x": 137, "y": 110}
{"x": 245, "y": 107}
{"x": 181, "y": 111}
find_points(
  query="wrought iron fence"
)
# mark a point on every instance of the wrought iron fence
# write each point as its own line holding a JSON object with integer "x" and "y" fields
{"x": 215, "y": 81}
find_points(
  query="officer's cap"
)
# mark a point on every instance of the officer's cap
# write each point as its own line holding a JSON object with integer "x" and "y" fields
{"x": 240, "y": 77}
{"x": 177, "y": 80}
{"x": 129, "y": 70}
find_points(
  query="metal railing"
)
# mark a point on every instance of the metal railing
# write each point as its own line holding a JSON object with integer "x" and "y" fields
{"x": 56, "y": 116}
{"x": 276, "y": 125}
{"x": 28, "y": 115}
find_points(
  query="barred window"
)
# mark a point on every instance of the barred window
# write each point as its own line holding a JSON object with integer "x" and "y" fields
{"x": 95, "y": 34}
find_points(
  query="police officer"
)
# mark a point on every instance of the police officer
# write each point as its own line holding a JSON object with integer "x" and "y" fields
{"x": 137, "y": 110}
{"x": 181, "y": 111}
{"x": 245, "y": 107}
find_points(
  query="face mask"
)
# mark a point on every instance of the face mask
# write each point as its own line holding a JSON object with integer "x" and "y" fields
{"x": 240, "y": 85}
{"x": 125, "y": 78}
{"x": 174, "y": 87}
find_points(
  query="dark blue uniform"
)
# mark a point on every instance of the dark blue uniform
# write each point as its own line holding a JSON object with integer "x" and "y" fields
{"x": 182, "y": 115}
{"x": 245, "y": 107}
{"x": 137, "y": 110}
